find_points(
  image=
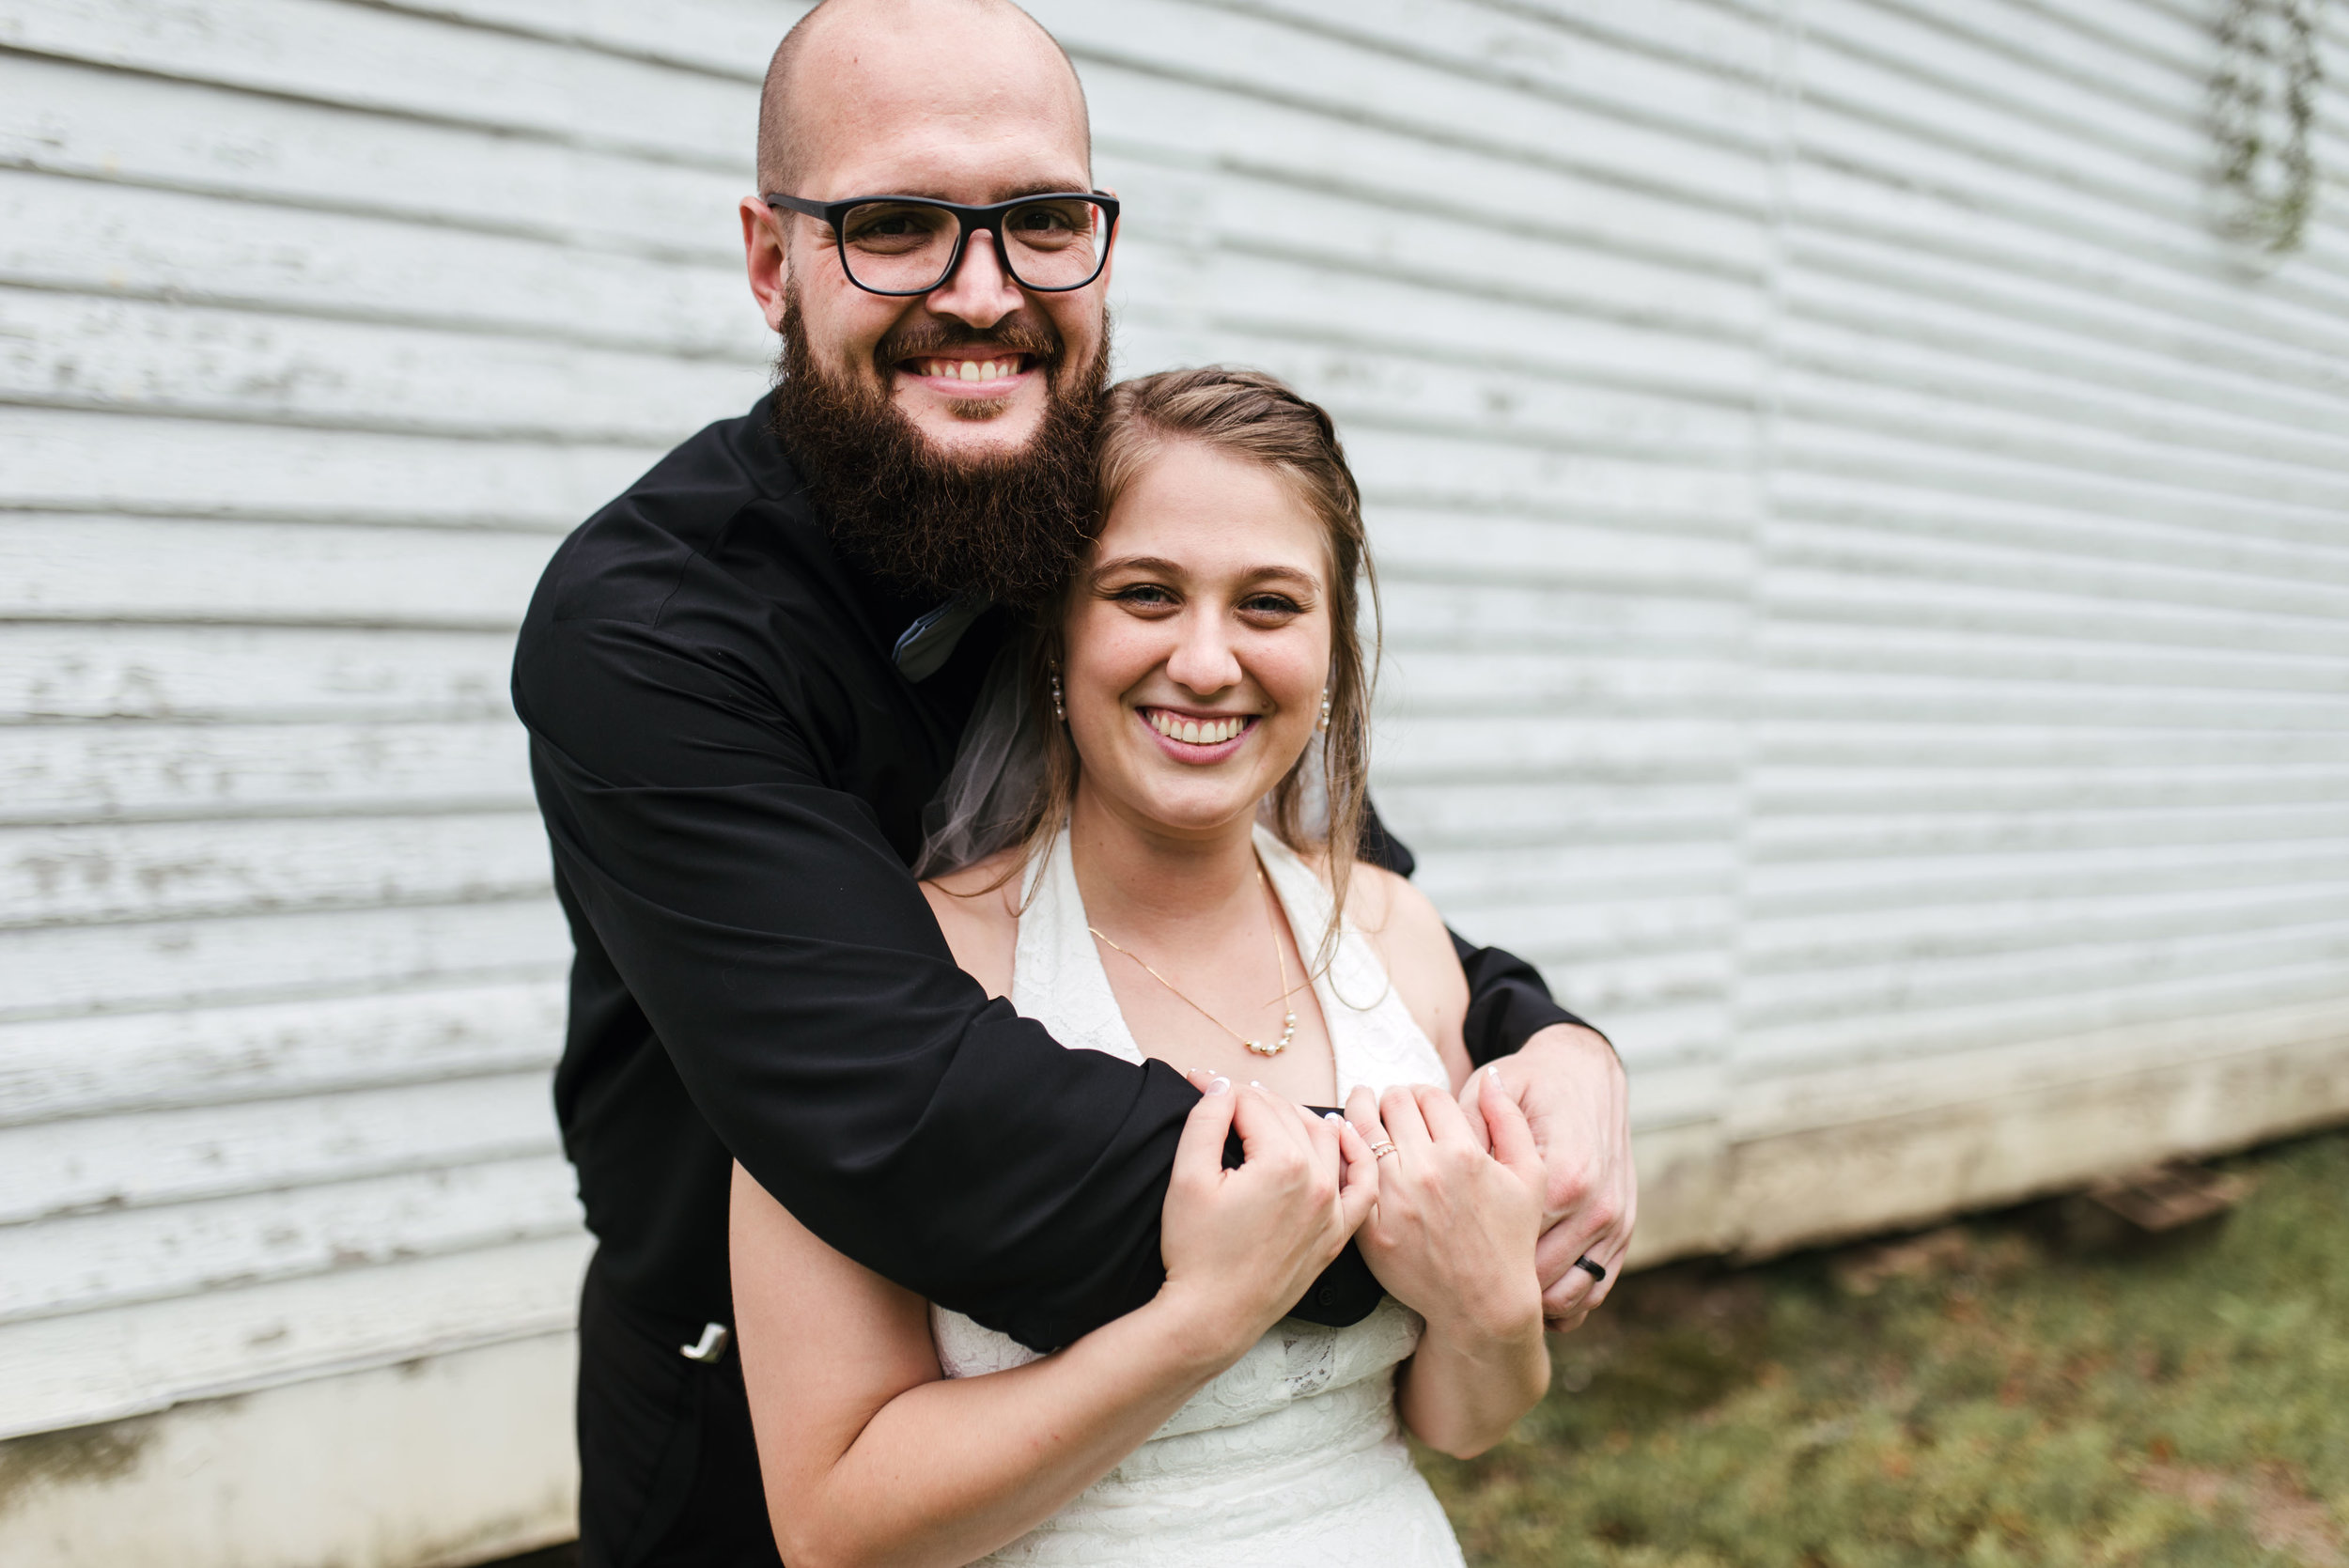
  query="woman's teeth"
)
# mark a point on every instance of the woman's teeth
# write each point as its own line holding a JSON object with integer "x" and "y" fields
{"x": 971, "y": 369}
{"x": 1198, "y": 732}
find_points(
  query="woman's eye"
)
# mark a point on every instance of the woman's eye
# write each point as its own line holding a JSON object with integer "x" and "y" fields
{"x": 1145, "y": 594}
{"x": 1270, "y": 604}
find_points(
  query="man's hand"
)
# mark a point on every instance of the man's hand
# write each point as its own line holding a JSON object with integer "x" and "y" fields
{"x": 1572, "y": 1089}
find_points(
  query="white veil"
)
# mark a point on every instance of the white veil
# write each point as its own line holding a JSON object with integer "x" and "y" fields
{"x": 997, "y": 790}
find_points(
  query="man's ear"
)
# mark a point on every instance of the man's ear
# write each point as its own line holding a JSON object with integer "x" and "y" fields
{"x": 766, "y": 257}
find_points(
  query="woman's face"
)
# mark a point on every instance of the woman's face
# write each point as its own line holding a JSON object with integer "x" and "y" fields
{"x": 1197, "y": 640}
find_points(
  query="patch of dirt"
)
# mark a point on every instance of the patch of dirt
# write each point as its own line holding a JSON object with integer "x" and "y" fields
{"x": 1865, "y": 1270}
{"x": 2282, "y": 1516}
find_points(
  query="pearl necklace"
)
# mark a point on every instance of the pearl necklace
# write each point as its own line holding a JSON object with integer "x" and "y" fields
{"x": 1288, "y": 1017}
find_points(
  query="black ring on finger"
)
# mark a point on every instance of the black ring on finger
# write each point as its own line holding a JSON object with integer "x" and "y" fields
{"x": 1596, "y": 1271}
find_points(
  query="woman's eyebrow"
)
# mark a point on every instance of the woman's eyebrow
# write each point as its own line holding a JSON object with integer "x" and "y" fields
{"x": 1160, "y": 566}
{"x": 1157, "y": 563}
{"x": 1285, "y": 574}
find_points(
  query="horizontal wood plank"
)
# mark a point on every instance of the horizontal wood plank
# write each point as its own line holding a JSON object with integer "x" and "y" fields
{"x": 2117, "y": 960}
{"x": 1862, "y": 1038}
{"x": 90, "y": 1261}
{"x": 89, "y": 352}
{"x": 383, "y": 59}
{"x": 99, "y": 1366}
{"x": 93, "y": 122}
{"x": 72, "y": 566}
{"x": 317, "y": 1044}
{"x": 101, "y": 872}
{"x": 74, "y": 969}
{"x": 105, "y": 237}
{"x": 725, "y": 38}
{"x": 80, "y": 772}
{"x": 145, "y": 1159}
{"x": 78, "y": 460}
{"x": 56, "y": 669}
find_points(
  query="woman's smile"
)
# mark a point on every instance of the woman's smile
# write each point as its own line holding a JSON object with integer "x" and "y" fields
{"x": 1198, "y": 738}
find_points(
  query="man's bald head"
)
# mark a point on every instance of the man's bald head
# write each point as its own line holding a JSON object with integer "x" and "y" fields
{"x": 839, "y": 38}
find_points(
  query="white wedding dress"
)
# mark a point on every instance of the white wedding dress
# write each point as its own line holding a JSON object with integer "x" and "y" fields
{"x": 1292, "y": 1456}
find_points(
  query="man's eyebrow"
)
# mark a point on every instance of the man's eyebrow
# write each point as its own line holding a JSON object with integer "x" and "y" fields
{"x": 1040, "y": 188}
{"x": 1002, "y": 192}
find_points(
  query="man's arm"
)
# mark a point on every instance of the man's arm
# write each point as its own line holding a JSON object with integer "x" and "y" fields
{"x": 1569, "y": 1081}
{"x": 787, "y": 962}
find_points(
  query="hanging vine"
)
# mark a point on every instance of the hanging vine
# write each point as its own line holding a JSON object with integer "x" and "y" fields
{"x": 2263, "y": 112}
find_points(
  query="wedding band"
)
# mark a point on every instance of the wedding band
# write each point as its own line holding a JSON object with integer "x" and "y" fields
{"x": 1382, "y": 1149}
{"x": 1596, "y": 1271}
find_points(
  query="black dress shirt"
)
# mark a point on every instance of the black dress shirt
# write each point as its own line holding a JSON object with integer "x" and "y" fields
{"x": 732, "y": 771}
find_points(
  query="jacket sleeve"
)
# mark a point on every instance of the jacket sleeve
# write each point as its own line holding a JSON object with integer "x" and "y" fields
{"x": 793, "y": 973}
{"x": 1508, "y": 1001}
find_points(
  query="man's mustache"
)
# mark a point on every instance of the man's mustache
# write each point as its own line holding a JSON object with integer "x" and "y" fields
{"x": 1010, "y": 337}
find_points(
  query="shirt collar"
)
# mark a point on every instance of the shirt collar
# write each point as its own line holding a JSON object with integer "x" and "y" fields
{"x": 924, "y": 647}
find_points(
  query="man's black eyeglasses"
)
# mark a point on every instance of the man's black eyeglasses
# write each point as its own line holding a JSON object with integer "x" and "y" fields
{"x": 910, "y": 244}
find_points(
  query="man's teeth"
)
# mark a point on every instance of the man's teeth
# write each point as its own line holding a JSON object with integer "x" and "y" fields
{"x": 1198, "y": 732}
{"x": 971, "y": 369}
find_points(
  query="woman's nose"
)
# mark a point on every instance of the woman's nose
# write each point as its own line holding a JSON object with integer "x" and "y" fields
{"x": 1204, "y": 661}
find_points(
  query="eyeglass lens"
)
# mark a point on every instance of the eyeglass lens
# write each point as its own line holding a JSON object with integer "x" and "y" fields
{"x": 905, "y": 247}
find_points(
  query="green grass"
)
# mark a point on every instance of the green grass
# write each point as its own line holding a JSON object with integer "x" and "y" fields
{"x": 2039, "y": 1388}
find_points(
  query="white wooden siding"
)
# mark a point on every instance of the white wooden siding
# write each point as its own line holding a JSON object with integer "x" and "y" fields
{"x": 1866, "y": 575}
{"x": 2051, "y": 692}
{"x": 320, "y": 323}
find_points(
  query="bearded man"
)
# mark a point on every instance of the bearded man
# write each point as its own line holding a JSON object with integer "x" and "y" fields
{"x": 743, "y": 681}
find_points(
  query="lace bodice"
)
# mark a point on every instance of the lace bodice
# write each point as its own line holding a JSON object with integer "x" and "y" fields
{"x": 1292, "y": 1456}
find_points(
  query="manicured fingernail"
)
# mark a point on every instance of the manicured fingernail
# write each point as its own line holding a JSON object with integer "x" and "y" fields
{"x": 1333, "y": 1118}
{"x": 1254, "y": 1084}
{"x": 1219, "y": 1085}
{"x": 1493, "y": 1072}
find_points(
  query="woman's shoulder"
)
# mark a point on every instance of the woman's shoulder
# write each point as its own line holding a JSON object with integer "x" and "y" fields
{"x": 1378, "y": 904}
{"x": 1402, "y": 927}
{"x": 1383, "y": 904}
{"x": 978, "y": 910}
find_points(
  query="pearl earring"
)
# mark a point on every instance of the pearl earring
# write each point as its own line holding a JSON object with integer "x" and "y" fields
{"x": 1060, "y": 707}
{"x": 1324, "y": 725}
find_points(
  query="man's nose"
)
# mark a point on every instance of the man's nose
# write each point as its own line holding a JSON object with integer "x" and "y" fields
{"x": 980, "y": 292}
{"x": 1204, "y": 661}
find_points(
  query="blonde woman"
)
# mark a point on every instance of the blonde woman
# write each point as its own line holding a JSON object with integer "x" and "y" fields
{"x": 1148, "y": 847}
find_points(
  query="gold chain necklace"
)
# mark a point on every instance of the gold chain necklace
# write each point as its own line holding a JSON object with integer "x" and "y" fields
{"x": 1288, "y": 1020}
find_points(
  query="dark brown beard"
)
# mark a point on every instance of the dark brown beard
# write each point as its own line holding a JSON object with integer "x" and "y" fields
{"x": 1011, "y": 526}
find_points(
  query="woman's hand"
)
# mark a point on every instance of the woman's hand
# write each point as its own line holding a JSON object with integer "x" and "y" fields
{"x": 1452, "y": 1235}
{"x": 1242, "y": 1246}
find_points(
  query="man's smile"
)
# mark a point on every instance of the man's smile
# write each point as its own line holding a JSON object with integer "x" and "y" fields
{"x": 977, "y": 372}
